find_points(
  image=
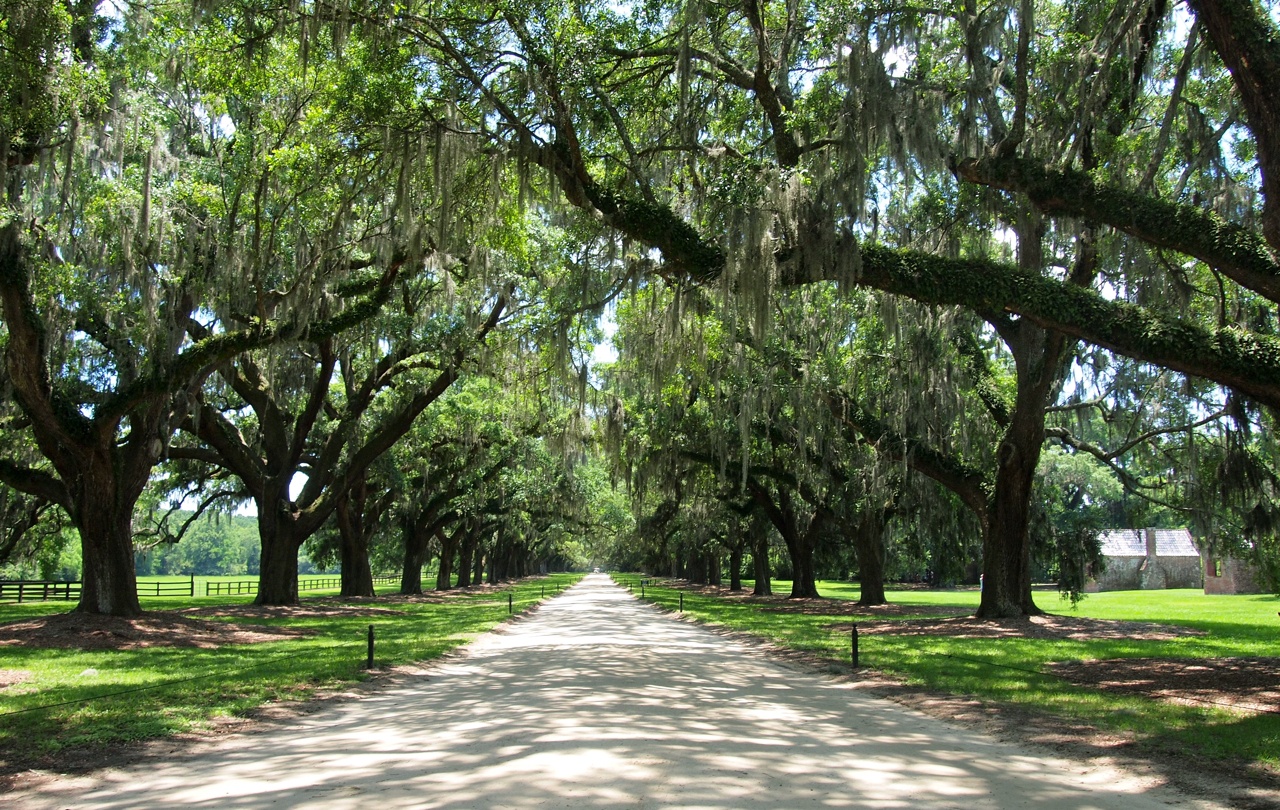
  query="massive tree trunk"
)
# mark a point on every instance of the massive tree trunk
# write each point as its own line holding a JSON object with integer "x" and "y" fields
{"x": 466, "y": 553}
{"x": 800, "y": 543}
{"x": 1040, "y": 358}
{"x": 1006, "y": 552}
{"x": 735, "y": 566}
{"x": 417, "y": 542}
{"x": 758, "y": 533}
{"x": 103, "y": 513}
{"x": 868, "y": 544}
{"x": 804, "y": 584}
{"x": 278, "y": 574}
{"x": 448, "y": 550}
{"x": 696, "y": 567}
{"x": 354, "y": 535}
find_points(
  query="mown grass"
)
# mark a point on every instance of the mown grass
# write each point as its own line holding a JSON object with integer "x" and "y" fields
{"x": 97, "y": 698}
{"x": 1016, "y": 671}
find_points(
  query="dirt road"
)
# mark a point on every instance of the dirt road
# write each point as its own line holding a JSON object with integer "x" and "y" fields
{"x": 598, "y": 701}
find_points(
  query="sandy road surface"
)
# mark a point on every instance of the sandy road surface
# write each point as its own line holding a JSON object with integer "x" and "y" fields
{"x": 598, "y": 701}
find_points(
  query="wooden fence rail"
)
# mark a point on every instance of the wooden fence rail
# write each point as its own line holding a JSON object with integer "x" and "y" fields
{"x": 231, "y": 588}
{"x": 32, "y": 590}
{"x": 167, "y": 588}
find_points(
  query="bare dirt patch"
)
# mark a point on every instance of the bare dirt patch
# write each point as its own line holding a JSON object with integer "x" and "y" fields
{"x": 1040, "y": 627}
{"x": 13, "y": 677}
{"x": 160, "y": 629}
{"x": 1244, "y": 684}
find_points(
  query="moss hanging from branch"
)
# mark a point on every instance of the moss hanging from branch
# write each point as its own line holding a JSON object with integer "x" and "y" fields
{"x": 1240, "y": 253}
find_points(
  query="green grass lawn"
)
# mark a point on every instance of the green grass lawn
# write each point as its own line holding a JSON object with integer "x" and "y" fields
{"x": 1016, "y": 671}
{"x": 100, "y": 697}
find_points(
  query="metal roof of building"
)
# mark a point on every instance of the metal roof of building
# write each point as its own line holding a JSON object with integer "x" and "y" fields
{"x": 1133, "y": 543}
{"x": 1175, "y": 543}
{"x": 1123, "y": 543}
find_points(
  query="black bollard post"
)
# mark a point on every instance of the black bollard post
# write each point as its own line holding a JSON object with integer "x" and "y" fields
{"x": 544, "y": 590}
{"x": 682, "y": 601}
{"x": 855, "y": 645}
{"x": 509, "y": 603}
{"x": 369, "y": 663}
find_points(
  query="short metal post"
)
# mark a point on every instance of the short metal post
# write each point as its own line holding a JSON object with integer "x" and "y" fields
{"x": 682, "y": 601}
{"x": 544, "y": 590}
{"x": 642, "y": 589}
{"x": 509, "y": 603}
{"x": 193, "y": 584}
{"x": 854, "y": 650}
{"x": 369, "y": 662}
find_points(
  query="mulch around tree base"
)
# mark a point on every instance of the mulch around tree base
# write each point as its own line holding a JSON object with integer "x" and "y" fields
{"x": 1243, "y": 684}
{"x": 311, "y": 609}
{"x": 159, "y": 629}
{"x": 1047, "y": 626}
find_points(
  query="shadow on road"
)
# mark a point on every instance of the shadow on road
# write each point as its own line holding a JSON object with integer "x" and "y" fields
{"x": 598, "y": 701}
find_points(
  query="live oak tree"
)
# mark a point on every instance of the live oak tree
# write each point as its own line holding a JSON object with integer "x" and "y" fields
{"x": 128, "y": 221}
{"x": 1102, "y": 174}
{"x": 894, "y": 91}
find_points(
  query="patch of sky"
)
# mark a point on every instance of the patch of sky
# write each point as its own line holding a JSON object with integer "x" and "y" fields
{"x": 246, "y": 508}
{"x": 606, "y": 351}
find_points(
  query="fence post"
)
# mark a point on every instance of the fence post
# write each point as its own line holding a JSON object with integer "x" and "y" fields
{"x": 854, "y": 648}
{"x": 193, "y": 584}
{"x": 20, "y": 588}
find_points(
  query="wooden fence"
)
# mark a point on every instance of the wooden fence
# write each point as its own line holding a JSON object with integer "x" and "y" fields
{"x": 167, "y": 588}
{"x": 32, "y": 590}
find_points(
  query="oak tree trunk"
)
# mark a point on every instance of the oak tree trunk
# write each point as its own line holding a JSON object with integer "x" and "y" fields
{"x": 353, "y": 534}
{"x": 278, "y": 575}
{"x": 104, "y": 516}
{"x": 416, "y": 544}
{"x": 735, "y": 567}
{"x": 448, "y": 550}
{"x": 466, "y": 553}
{"x": 868, "y": 544}
{"x": 759, "y": 536}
